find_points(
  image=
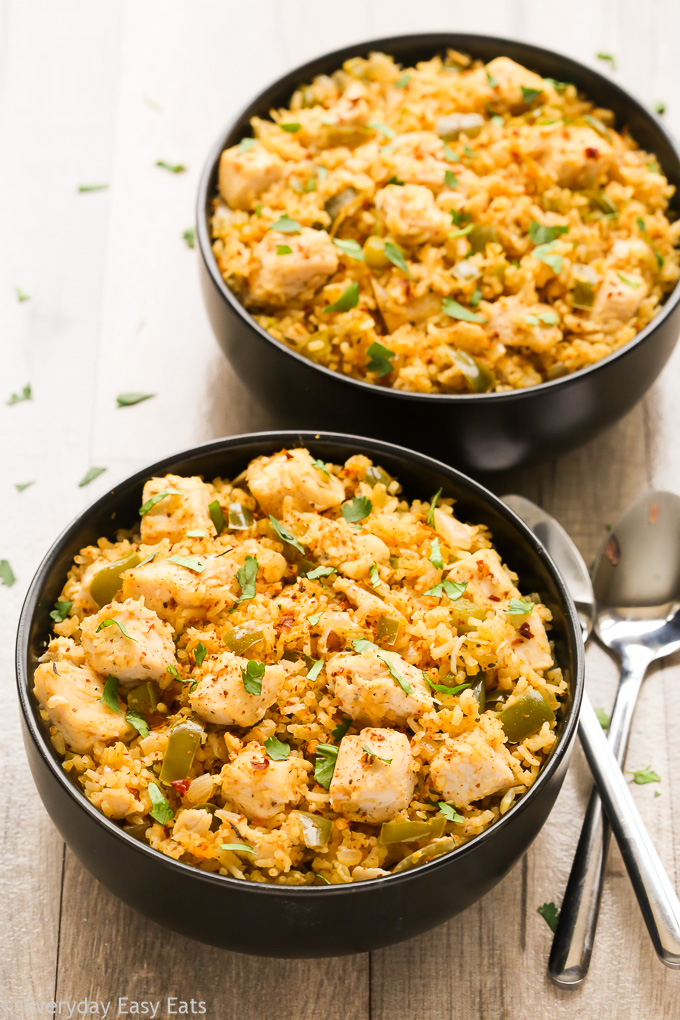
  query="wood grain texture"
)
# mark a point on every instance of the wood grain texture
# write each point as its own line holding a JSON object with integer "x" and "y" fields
{"x": 99, "y": 92}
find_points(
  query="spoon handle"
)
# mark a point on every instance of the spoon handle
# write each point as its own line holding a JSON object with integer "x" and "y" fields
{"x": 575, "y": 935}
{"x": 656, "y": 896}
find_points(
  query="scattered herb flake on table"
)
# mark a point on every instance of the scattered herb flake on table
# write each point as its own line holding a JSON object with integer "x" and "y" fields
{"x": 659, "y": 107}
{"x": 6, "y": 574}
{"x": 189, "y": 237}
{"x": 22, "y": 295}
{"x": 602, "y": 718}
{"x": 92, "y": 187}
{"x": 174, "y": 168}
{"x": 89, "y": 476}
{"x": 357, "y": 509}
{"x": 22, "y": 486}
{"x": 130, "y": 399}
{"x": 643, "y": 776}
{"x": 549, "y": 913}
{"x": 17, "y": 398}
{"x": 608, "y": 58}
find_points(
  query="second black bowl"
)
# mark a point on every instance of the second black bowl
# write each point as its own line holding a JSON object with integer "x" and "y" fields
{"x": 276, "y": 920}
{"x": 478, "y": 432}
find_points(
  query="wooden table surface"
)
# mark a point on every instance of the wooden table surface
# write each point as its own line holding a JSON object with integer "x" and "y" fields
{"x": 95, "y": 92}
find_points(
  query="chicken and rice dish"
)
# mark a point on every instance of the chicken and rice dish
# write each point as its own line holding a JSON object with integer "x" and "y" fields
{"x": 452, "y": 227}
{"x": 298, "y": 676}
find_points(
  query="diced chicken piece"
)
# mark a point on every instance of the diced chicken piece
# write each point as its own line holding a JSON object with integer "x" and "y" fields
{"x": 174, "y": 592}
{"x": 173, "y": 516}
{"x": 244, "y": 176}
{"x": 417, "y": 158}
{"x": 411, "y": 215}
{"x": 510, "y": 78}
{"x": 221, "y": 697}
{"x": 631, "y": 253}
{"x": 361, "y": 874}
{"x": 485, "y": 574}
{"x": 340, "y": 544}
{"x": 533, "y": 646}
{"x": 366, "y": 603}
{"x": 71, "y": 695}
{"x": 469, "y": 768}
{"x": 351, "y": 109}
{"x": 128, "y": 641}
{"x": 291, "y": 474}
{"x": 366, "y": 788}
{"x": 368, "y": 692}
{"x": 454, "y": 532}
{"x": 576, "y": 156}
{"x": 279, "y": 277}
{"x": 192, "y": 822}
{"x": 261, "y": 787}
{"x": 618, "y": 299}
{"x": 116, "y": 802}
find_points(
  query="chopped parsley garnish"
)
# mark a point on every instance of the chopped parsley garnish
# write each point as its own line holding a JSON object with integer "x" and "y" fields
{"x": 549, "y": 913}
{"x": 383, "y": 129}
{"x": 449, "y": 155}
{"x": 291, "y": 128}
{"x": 174, "y": 672}
{"x": 396, "y": 256}
{"x": 643, "y": 776}
{"x": 357, "y": 509}
{"x": 284, "y": 249}
{"x": 7, "y": 577}
{"x": 258, "y": 210}
{"x": 375, "y": 576}
{"x": 324, "y": 764}
{"x": 475, "y": 298}
{"x": 608, "y": 58}
{"x": 90, "y": 476}
{"x": 189, "y": 237}
{"x": 349, "y": 247}
{"x": 519, "y": 607}
{"x": 454, "y": 589}
{"x": 459, "y": 217}
{"x": 347, "y": 300}
{"x": 364, "y": 645}
{"x": 602, "y": 718}
{"x": 216, "y": 515}
{"x": 643, "y": 231}
{"x": 313, "y": 619}
{"x": 433, "y": 504}
{"x": 110, "y": 694}
{"x": 339, "y": 731}
{"x": 18, "y": 398}
{"x": 319, "y": 572}
{"x": 200, "y": 653}
{"x": 452, "y": 308}
{"x": 435, "y": 556}
{"x": 252, "y": 676}
{"x": 286, "y": 225}
{"x": 194, "y": 563}
{"x": 62, "y": 607}
{"x": 92, "y": 187}
{"x": 241, "y": 848}
{"x": 315, "y": 670}
{"x": 246, "y": 578}
{"x": 174, "y": 168}
{"x": 463, "y": 230}
{"x": 544, "y": 253}
{"x": 285, "y": 535}
{"x": 139, "y": 723}
{"x": 130, "y": 399}
{"x": 276, "y": 749}
{"x": 450, "y": 179}
{"x": 22, "y": 486}
{"x": 367, "y": 750}
{"x": 542, "y": 234}
{"x": 443, "y": 689}
{"x": 402, "y": 81}
{"x": 394, "y": 673}
{"x": 628, "y": 281}
{"x": 497, "y": 119}
{"x": 22, "y": 295}
{"x": 121, "y": 627}
{"x": 197, "y": 533}
{"x": 528, "y": 95}
{"x": 161, "y": 811}
{"x": 320, "y": 466}
{"x": 547, "y": 318}
{"x": 395, "y": 180}
{"x": 380, "y": 359}
{"x": 246, "y": 144}
{"x": 659, "y": 107}
{"x": 449, "y": 812}
{"x": 151, "y": 502}
{"x": 493, "y": 82}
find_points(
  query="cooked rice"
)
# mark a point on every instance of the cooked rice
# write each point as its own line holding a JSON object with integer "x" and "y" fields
{"x": 176, "y": 622}
{"x": 508, "y": 194}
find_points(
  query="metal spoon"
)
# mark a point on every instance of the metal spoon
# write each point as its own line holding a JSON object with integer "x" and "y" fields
{"x": 572, "y": 945}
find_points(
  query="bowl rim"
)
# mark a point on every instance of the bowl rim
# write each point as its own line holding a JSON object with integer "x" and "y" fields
{"x": 438, "y": 41}
{"x": 283, "y": 438}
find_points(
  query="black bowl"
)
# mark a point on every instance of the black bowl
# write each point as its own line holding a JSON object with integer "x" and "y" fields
{"x": 478, "y": 432}
{"x": 274, "y": 920}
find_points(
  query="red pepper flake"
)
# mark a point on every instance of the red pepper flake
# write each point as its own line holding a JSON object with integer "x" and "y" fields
{"x": 525, "y": 630}
{"x": 494, "y": 598}
{"x": 181, "y": 785}
{"x": 612, "y": 550}
{"x": 260, "y": 765}
{"x": 592, "y": 153}
{"x": 654, "y": 512}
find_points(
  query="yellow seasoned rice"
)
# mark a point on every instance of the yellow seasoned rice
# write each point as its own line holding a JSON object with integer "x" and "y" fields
{"x": 445, "y": 228}
{"x": 320, "y": 582}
